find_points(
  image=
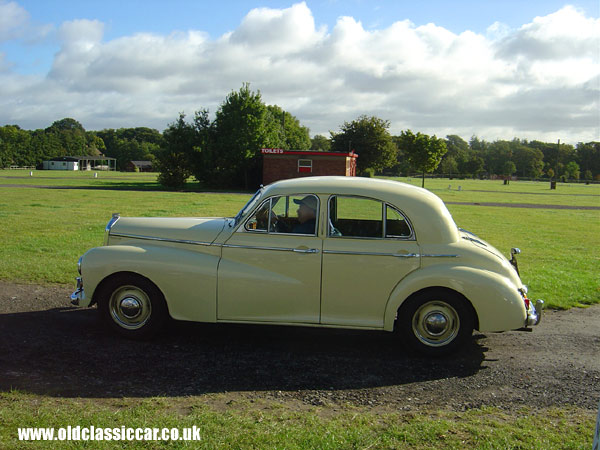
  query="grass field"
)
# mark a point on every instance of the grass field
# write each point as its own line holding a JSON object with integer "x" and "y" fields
{"x": 260, "y": 424}
{"x": 46, "y": 230}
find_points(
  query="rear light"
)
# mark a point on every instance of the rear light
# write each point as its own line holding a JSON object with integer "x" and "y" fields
{"x": 525, "y": 299}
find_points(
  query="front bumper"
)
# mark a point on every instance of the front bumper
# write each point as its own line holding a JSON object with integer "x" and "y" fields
{"x": 79, "y": 295}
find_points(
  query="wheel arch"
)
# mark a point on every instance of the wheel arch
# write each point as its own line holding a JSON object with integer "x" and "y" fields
{"x": 123, "y": 273}
{"x": 451, "y": 291}
{"x": 495, "y": 299}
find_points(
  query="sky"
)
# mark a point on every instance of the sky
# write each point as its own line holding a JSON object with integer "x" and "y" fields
{"x": 495, "y": 69}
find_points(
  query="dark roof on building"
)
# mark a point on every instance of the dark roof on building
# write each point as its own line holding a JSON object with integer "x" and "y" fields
{"x": 83, "y": 157}
{"x": 279, "y": 151}
{"x": 65, "y": 158}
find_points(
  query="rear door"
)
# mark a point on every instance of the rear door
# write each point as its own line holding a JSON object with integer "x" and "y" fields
{"x": 370, "y": 246}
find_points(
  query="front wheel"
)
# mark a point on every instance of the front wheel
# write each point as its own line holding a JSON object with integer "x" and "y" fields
{"x": 132, "y": 306}
{"x": 435, "y": 322}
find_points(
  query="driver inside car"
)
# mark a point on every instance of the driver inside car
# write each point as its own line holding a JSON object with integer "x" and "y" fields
{"x": 307, "y": 215}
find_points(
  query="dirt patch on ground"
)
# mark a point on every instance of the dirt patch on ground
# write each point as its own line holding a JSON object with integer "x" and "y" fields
{"x": 51, "y": 348}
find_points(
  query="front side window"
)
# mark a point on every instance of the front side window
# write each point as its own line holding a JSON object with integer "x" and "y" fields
{"x": 295, "y": 214}
{"x": 365, "y": 218}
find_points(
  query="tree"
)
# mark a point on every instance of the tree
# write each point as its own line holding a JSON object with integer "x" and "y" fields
{"x": 293, "y": 136}
{"x": 369, "y": 137}
{"x": 175, "y": 156}
{"x": 588, "y": 157}
{"x": 496, "y": 154}
{"x": 572, "y": 170}
{"x": 448, "y": 166}
{"x": 71, "y": 135}
{"x": 457, "y": 156}
{"x": 203, "y": 158}
{"x": 423, "y": 152}
{"x": 243, "y": 126}
{"x": 508, "y": 168}
{"x": 320, "y": 142}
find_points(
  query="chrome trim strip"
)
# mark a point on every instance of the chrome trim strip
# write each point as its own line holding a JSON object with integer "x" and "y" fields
{"x": 396, "y": 255}
{"x": 474, "y": 240}
{"x": 281, "y": 249}
{"x": 347, "y": 252}
{"x": 153, "y": 238}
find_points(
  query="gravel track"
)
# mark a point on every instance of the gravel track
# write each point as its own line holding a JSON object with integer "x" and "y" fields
{"x": 50, "y": 348}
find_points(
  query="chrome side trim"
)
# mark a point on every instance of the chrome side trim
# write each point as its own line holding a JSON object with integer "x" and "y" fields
{"x": 280, "y": 249}
{"x": 397, "y": 255}
{"x": 474, "y": 240}
{"x": 153, "y": 238}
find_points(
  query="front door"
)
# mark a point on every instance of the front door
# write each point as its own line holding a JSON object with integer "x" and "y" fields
{"x": 270, "y": 270}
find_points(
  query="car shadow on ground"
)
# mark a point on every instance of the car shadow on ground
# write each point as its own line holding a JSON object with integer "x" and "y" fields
{"x": 65, "y": 352}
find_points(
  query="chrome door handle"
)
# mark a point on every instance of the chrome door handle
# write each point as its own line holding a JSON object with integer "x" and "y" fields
{"x": 406, "y": 255}
{"x": 305, "y": 250}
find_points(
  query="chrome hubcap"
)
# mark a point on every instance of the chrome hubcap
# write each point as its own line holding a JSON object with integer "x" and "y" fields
{"x": 130, "y": 307}
{"x": 436, "y": 323}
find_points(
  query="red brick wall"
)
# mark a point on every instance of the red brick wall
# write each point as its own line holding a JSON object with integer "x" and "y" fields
{"x": 281, "y": 167}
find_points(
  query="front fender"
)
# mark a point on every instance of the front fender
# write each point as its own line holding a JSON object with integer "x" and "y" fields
{"x": 496, "y": 299}
{"x": 187, "y": 278}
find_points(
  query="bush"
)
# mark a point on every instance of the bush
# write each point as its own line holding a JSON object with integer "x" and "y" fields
{"x": 369, "y": 172}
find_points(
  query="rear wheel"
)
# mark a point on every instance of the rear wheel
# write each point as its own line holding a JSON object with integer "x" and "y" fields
{"x": 435, "y": 322}
{"x": 132, "y": 306}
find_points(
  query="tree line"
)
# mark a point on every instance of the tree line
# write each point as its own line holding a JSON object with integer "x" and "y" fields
{"x": 225, "y": 152}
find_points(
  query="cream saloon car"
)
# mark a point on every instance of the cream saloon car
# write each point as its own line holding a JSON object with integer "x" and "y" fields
{"x": 319, "y": 251}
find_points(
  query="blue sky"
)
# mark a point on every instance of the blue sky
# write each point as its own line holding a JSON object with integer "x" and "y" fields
{"x": 471, "y": 73}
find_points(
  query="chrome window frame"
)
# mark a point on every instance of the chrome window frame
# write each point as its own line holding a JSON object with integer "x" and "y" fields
{"x": 244, "y": 228}
{"x": 411, "y": 237}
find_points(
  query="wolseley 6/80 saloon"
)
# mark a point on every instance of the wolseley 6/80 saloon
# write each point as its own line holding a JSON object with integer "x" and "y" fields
{"x": 319, "y": 251}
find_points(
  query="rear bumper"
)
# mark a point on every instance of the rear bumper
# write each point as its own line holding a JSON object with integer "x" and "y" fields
{"x": 534, "y": 315}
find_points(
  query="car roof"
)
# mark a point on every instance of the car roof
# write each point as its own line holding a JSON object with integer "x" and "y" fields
{"x": 419, "y": 205}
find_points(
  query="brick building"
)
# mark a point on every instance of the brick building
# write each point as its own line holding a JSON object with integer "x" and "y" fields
{"x": 281, "y": 164}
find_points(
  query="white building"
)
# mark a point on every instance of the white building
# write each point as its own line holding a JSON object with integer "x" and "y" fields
{"x": 62, "y": 163}
{"x": 80, "y": 163}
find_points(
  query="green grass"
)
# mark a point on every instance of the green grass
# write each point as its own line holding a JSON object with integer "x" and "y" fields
{"x": 44, "y": 231}
{"x": 270, "y": 424}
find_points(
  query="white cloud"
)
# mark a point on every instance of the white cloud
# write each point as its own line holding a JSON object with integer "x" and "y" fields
{"x": 538, "y": 81}
{"x": 12, "y": 18}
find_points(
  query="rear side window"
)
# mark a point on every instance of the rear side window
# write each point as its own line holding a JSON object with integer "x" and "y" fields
{"x": 361, "y": 217}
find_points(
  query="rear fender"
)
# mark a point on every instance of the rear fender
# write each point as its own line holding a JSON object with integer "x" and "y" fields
{"x": 495, "y": 299}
